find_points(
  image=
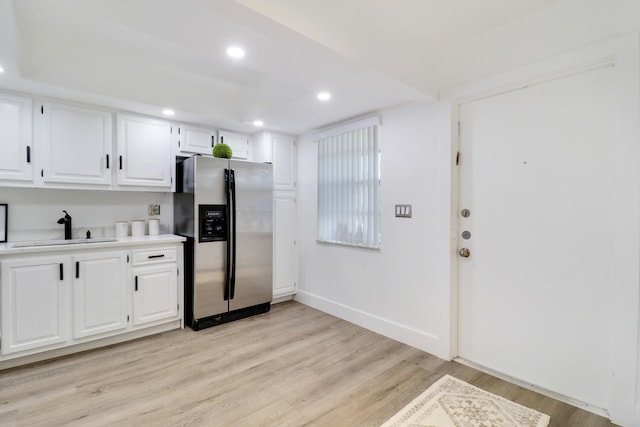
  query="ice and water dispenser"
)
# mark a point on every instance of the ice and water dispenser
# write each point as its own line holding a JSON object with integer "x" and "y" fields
{"x": 213, "y": 223}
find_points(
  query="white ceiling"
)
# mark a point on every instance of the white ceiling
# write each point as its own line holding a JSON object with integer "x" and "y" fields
{"x": 145, "y": 55}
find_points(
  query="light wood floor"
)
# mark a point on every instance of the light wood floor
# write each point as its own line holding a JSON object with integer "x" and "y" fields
{"x": 293, "y": 366}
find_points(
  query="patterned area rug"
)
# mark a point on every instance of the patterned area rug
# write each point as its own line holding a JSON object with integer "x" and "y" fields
{"x": 454, "y": 403}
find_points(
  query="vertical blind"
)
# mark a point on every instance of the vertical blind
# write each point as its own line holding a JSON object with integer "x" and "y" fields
{"x": 349, "y": 185}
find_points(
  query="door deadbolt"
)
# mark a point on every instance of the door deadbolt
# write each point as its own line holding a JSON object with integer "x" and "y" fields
{"x": 464, "y": 252}
{"x": 465, "y": 213}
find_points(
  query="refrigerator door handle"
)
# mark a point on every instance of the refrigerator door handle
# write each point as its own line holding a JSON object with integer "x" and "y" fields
{"x": 227, "y": 271}
{"x": 233, "y": 236}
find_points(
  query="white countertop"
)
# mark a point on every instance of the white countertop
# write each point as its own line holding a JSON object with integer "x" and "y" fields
{"x": 8, "y": 249}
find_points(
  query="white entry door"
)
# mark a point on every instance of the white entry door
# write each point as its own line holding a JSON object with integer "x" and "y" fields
{"x": 536, "y": 290}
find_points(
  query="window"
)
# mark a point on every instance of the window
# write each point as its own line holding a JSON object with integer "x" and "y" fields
{"x": 349, "y": 184}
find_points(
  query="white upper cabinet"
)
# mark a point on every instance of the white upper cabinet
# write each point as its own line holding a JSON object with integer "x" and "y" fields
{"x": 144, "y": 152}
{"x": 76, "y": 145}
{"x": 196, "y": 140}
{"x": 283, "y": 149}
{"x": 280, "y": 150}
{"x": 16, "y": 138}
{"x": 238, "y": 142}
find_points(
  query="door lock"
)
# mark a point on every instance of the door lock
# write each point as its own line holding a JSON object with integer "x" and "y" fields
{"x": 464, "y": 252}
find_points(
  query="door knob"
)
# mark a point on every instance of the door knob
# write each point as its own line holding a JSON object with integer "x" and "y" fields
{"x": 464, "y": 252}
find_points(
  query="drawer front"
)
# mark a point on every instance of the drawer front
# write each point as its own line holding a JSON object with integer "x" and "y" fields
{"x": 154, "y": 255}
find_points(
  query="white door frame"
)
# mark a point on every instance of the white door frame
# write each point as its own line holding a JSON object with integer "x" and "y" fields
{"x": 624, "y": 53}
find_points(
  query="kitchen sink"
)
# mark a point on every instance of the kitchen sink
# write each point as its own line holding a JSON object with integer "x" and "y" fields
{"x": 64, "y": 242}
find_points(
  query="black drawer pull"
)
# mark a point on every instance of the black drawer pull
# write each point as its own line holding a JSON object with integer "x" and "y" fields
{"x": 156, "y": 256}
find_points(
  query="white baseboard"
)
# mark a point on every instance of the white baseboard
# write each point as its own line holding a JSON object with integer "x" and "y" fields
{"x": 277, "y": 300}
{"x": 413, "y": 337}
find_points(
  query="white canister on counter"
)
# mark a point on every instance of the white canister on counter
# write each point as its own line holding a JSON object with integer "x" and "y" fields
{"x": 138, "y": 227}
{"x": 122, "y": 228}
{"x": 154, "y": 227}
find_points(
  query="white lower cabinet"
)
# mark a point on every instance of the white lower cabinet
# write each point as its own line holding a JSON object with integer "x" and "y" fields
{"x": 79, "y": 296}
{"x": 284, "y": 245}
{"x": 34, "y": 303}
{"x": 155, "y": 294}
{"x": 99, "y": 293}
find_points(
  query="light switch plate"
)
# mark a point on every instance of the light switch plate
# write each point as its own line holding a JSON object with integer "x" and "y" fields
{"x": 154, "y": 209}
{"x": 403, "y": 211}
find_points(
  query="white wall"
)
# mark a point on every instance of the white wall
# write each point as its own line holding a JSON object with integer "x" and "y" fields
{"x": 401, "y": 290}
{"x": 34, "y": 212}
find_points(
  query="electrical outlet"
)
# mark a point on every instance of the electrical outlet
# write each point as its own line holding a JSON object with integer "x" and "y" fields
{"x": 154, "y": 209}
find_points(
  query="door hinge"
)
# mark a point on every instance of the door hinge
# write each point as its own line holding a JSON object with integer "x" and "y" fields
{"x": 457, "y": 158}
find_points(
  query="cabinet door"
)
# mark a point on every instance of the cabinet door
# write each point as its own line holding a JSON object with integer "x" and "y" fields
{"x": 76, "y": 145}
{"x": 284, "y": 245}
{"x": 283, "y": 155}
{"x": 239, "y": 143}
{"x": 196, "y": 140}
{"x": 155, "y": 295}
{"x": 99, "y": 293}
{"x": 33, "y": 303}
{"x": 16, "y": 138}
{"x": 144, "y": 152}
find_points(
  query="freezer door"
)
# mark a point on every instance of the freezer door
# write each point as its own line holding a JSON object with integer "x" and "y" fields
{"x": 209, "y": 257}
{"x": 253, "y": 232}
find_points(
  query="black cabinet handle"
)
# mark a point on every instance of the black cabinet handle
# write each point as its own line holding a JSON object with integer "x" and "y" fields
{"x": 213, "y": 141}
{"x": 136, "y": 280}
{"x": 77, "y": 269}
{"x": 120, "y": 162}
{"x": 61, "y": 271}
{"x": 28, "y": 154}
{"x": 155, "y": 256}
{"x": 107, "y": 161}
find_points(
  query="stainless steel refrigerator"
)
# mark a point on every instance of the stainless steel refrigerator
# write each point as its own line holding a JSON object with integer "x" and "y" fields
{"x": 224, "y": 209}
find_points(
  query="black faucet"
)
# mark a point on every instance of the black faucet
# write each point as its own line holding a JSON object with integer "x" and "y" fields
{"x": 66, "y": 220}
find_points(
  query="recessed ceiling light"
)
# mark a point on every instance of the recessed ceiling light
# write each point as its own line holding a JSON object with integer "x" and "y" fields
{"x": 258, "y": 123}
{"x": 235, "y": 52}
{"x": 1, "y": 69}
{"x": 324, "y": 96}
{"x": 168, "y": 112}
